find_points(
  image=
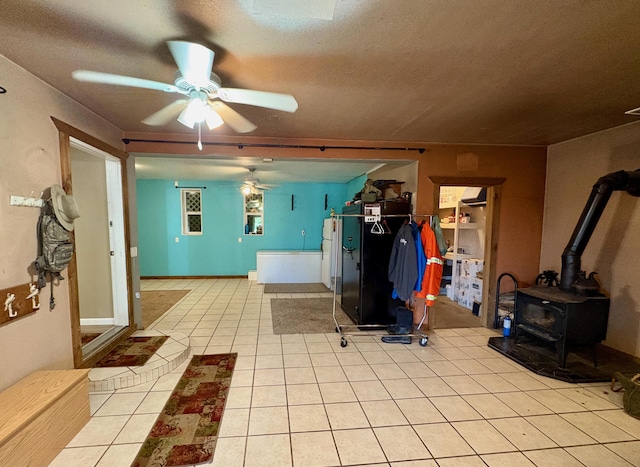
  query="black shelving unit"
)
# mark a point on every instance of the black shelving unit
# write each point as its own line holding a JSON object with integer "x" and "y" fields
{"x": 366, "y": 290}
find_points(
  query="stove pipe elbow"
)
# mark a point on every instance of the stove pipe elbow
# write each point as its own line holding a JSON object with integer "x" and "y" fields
{"x": 600, "y": 194}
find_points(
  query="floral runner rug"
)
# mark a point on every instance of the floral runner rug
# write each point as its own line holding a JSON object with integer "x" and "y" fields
{"x": 186, "y": 431}
{"x": 87, "y": 337}
{"x": 135, "y": 351}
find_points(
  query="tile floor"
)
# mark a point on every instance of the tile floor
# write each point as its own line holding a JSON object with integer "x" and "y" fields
{"x": 302, "y": 400}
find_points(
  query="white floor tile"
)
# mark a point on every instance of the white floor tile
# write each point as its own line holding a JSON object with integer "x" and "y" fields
{"x": 482, "y": 437}
{"x": 268, "y": 451}
{"x": 79, "y": 457}
{"x": 137, "y": 429}
{"x": 357, "y": 447}
{"x": 99, "y": 431}
{"x": 308, "y": 418}
{"x": 346, "y": 415}
{"x": 597, "y": 455}
{"x": 401, "y": 443}
{"x": 443, "y": 441}
{"x": 119, "y": 455}
{"x": 302, "y": 400}
{"x": 314, "y": 449}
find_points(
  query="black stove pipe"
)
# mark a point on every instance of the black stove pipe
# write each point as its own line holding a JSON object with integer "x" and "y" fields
{"x": 600, "y": 194}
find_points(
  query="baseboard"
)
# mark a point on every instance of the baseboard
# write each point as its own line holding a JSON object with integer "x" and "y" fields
{"x": 97, "y": 321}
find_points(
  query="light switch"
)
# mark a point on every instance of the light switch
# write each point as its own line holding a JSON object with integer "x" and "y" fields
{"x": 177, "y": 239}
{"x": 134, "y": 251}
{"x": 239, "y": 239}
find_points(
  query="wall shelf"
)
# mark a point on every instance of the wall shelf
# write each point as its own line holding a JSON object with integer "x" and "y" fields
{"x": 460, "y": 225}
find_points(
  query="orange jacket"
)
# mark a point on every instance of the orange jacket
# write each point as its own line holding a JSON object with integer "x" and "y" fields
{"x": 433, "y": 273}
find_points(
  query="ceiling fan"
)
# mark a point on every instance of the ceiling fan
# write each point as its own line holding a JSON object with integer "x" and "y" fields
{"x": 252, "y": 184}
{"x": 203, "y": 95}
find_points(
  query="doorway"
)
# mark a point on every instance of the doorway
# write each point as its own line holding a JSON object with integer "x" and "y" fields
{"x": 463, "y": 224}
{"x": 99, "y": 273}
{"x": 471, "y": 230}
{"x": 99, "y": 242}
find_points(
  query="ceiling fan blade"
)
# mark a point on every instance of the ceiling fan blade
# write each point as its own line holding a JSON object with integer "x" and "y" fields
{"x": 232, "y": 118}
{"x": 166, "y": 114}
{"x": 194, "y": 61}
{"x": 270, "y": 100}
{"x": 119, "y": 80}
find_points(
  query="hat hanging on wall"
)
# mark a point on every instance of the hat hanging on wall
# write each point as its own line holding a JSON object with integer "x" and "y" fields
{"x": 64, "y": 206}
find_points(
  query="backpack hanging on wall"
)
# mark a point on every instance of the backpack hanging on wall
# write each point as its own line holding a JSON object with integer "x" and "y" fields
{"x": 55, "y": 248}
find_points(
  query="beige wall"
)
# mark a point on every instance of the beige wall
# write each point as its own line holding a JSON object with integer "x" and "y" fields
{"x": 573, "y": 168}
{"x": 30, "y": 157}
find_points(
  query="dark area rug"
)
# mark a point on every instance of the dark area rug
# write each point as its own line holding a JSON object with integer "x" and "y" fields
{"x": 305, "y": 315}
{"x": 155, "y": 303}
{"x": 135, "y": 351}
{"x": 296, "y": 288}
{"x": 448, "y": 315}
{"x": 542, "y": 359}
{"x": 186, "y": 431}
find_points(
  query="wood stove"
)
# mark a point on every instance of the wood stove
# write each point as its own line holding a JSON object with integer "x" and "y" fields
{"x": 575, "y": 313}
{"x": 567, "y": 320}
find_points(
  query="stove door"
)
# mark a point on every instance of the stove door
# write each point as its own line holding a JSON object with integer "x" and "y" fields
{"x": 543, "y": 318}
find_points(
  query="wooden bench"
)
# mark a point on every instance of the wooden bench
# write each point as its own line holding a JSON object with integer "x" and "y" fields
{"x": 41, "y": 414}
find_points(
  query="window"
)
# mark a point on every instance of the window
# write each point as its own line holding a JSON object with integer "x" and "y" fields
{"x": 253, "y": 212}
{"x": 191, "y": 211}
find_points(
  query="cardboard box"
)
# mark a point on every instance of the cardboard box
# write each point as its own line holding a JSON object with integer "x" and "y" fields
{"x": 476, "y": 289}
{"x": 471, "y": 267}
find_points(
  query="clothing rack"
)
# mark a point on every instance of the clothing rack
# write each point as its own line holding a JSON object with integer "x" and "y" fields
{"x": 341, "y": 328}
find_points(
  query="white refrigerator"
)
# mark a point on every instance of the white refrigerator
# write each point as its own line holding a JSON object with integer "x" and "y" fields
{"x": 332, "y": 253}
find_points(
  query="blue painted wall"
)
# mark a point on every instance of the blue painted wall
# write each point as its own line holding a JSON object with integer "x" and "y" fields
{"x": 217, "y": 252}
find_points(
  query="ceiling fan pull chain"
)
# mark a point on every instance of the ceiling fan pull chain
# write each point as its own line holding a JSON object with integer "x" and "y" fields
{"x": 200, "y": 136}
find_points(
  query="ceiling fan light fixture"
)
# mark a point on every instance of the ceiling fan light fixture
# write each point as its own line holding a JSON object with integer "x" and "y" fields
{"x": 212, "y": 118}
{"x": 193, "y": 114}
{"x": 196, "y": 84}
{"x": 246, "y": 189}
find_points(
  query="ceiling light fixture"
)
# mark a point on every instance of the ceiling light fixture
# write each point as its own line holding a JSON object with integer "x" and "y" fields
{"x": 199, "y": 111}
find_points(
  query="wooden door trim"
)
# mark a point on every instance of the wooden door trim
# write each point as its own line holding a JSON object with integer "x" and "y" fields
{"x": 66, "y": 132}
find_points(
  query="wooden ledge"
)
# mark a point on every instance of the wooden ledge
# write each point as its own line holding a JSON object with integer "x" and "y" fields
{"x": 40, "y": 414}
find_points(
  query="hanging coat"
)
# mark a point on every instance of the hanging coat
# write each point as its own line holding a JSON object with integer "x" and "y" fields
{"x": 403, "y": 265}
{"x": 433, "y": 273}
{"x": 422, "y": 259}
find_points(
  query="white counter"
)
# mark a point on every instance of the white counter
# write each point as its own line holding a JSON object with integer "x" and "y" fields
{"x": 289, "y": 267}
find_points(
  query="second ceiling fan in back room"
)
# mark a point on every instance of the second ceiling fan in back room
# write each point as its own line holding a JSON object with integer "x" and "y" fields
{"x": 252, "y": 184}
{"x": 204, "y": 99}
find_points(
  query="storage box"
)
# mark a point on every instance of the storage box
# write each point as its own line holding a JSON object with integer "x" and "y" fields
{"x": 476, "y": 289}
{"x": 471, "y": 267}
{"x": 464, "y": 300}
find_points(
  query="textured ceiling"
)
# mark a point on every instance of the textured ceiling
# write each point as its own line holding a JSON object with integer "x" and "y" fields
{"x": 530, "y": 72}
